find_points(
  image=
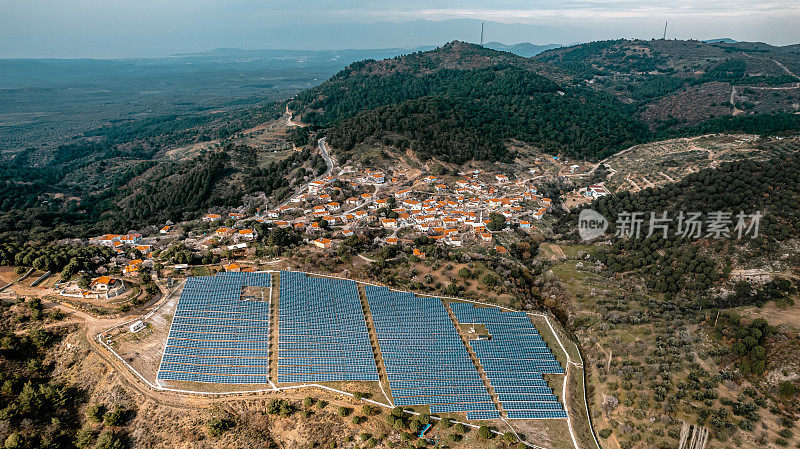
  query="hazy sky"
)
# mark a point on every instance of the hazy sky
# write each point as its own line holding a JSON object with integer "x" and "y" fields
{"x": 134, "y": 28}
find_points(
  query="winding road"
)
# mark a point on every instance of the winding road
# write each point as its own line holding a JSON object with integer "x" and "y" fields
{"x": 324, "y": 151}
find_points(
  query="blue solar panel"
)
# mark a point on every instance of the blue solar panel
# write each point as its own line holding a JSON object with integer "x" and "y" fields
{"x": 514, "y": 359}
{"x": 487, "y": 414}
{"x": 215, "y": 335}
{"x": 536, "y": 414}
{"x": 322, "y": 331}
{"x": 425, "y": 359}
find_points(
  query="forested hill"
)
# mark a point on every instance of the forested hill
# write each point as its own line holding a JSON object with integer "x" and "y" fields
{"x": 463, "y": 101}
{"x": 676, "y": 83}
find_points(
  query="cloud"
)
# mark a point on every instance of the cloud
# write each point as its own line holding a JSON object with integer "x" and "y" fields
{"x": 111, "y": 28}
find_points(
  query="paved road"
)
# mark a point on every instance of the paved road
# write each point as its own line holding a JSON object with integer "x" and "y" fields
{"x": 323, "y": 149}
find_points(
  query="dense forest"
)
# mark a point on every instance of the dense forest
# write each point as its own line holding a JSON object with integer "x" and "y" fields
{"x": 476, "y": 111}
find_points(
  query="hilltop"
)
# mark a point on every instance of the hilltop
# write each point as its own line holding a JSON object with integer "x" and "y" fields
{"x": 462, "y": 101}
{"x": 679, "y": 83}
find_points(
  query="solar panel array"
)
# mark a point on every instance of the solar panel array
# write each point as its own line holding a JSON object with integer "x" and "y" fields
{"x": 426, "y": 362}
{"x": 215, "y": 336}
{"x": 514, "y": 360}
{"x": 322, "y": 331}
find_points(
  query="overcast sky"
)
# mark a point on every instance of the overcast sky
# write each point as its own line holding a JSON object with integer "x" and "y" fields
{"x": 141, "y": 28}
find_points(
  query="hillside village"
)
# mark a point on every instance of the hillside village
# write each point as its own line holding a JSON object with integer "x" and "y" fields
{"x": 461, "y": 210}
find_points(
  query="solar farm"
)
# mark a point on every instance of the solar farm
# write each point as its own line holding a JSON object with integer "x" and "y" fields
{"x": 223, "y": 332}
{"x": 216, "y": 336}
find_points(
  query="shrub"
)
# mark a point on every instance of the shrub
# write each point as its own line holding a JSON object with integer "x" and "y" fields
{"x": 485, "y": 433}
{"x": 109, "y": 440}
{"x": 459, "y": 428}
{"x": 343, "y": 411}
{"x": 217, "y": 426}
{"x": 13, "y": 441}
{"x": 95, "y": 412}
{"x": 605, "y": 433}
{"x": 280, "y": 407}
{"x": 308, "y": 402}
{"x": 786, "y": 389}
{"x": 116, "y": 418}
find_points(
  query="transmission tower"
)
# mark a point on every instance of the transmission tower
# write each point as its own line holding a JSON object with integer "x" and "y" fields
{"x": 481, "y": 34}
{"x": 665, "y": 31}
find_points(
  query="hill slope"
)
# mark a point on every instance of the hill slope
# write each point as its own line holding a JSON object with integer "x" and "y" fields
{"x": 675, "y": 83}
{"x": 463, "y": 101}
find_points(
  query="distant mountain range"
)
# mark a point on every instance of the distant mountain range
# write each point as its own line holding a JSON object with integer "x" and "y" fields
{"x": 723, "y": 40}
{"x": 525, "y": 49}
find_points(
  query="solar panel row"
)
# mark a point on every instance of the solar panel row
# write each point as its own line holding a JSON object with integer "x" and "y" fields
{"x": 483, "y": 415}
{"x": 514, "y": 359}
{"x": 466, "y": 407}
{"x": 536, "y": 414}
{"x": 327, "y": 377}
{"x": 215, "y": 336}
{"x": 322, "y": 331}
{"x": 425, "y": 360}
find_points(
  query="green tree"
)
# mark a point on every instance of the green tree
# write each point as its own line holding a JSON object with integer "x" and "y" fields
{"x": 109, "y": 440}
{"x": 786, "y": 389}
{"x": 95, "y": 412}
{"x": 13, "y": 441}
{"x": 217, "y": 425}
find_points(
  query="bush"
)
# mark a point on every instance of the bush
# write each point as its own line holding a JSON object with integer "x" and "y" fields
{"x": 322, "y": 404}
{"x": 414, "y": 427}
{"x": 445, "y": 423}
{"x": 605, "y": 433}
{"x": 308, "y": 402}
{"x": 485, "y": 433}
{"x": 84, "y": 437}
{"x": 459, "y": 428}
{"x": 343, "y": 411}
{"x": 424, "y": 419}
{"x": 13, "y": 441}
{"x": 786, "y": 389}
{"x": 116, "y": 418}
{"x": 217, "y": 426}
{"x": 280, "y": 407}
{"x": 109, "y": 440}
{"x": 95, "y": 412}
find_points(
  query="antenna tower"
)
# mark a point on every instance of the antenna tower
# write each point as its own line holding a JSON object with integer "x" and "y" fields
{"x": 481, "y": 34}
{"x": 665, "y": 31}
